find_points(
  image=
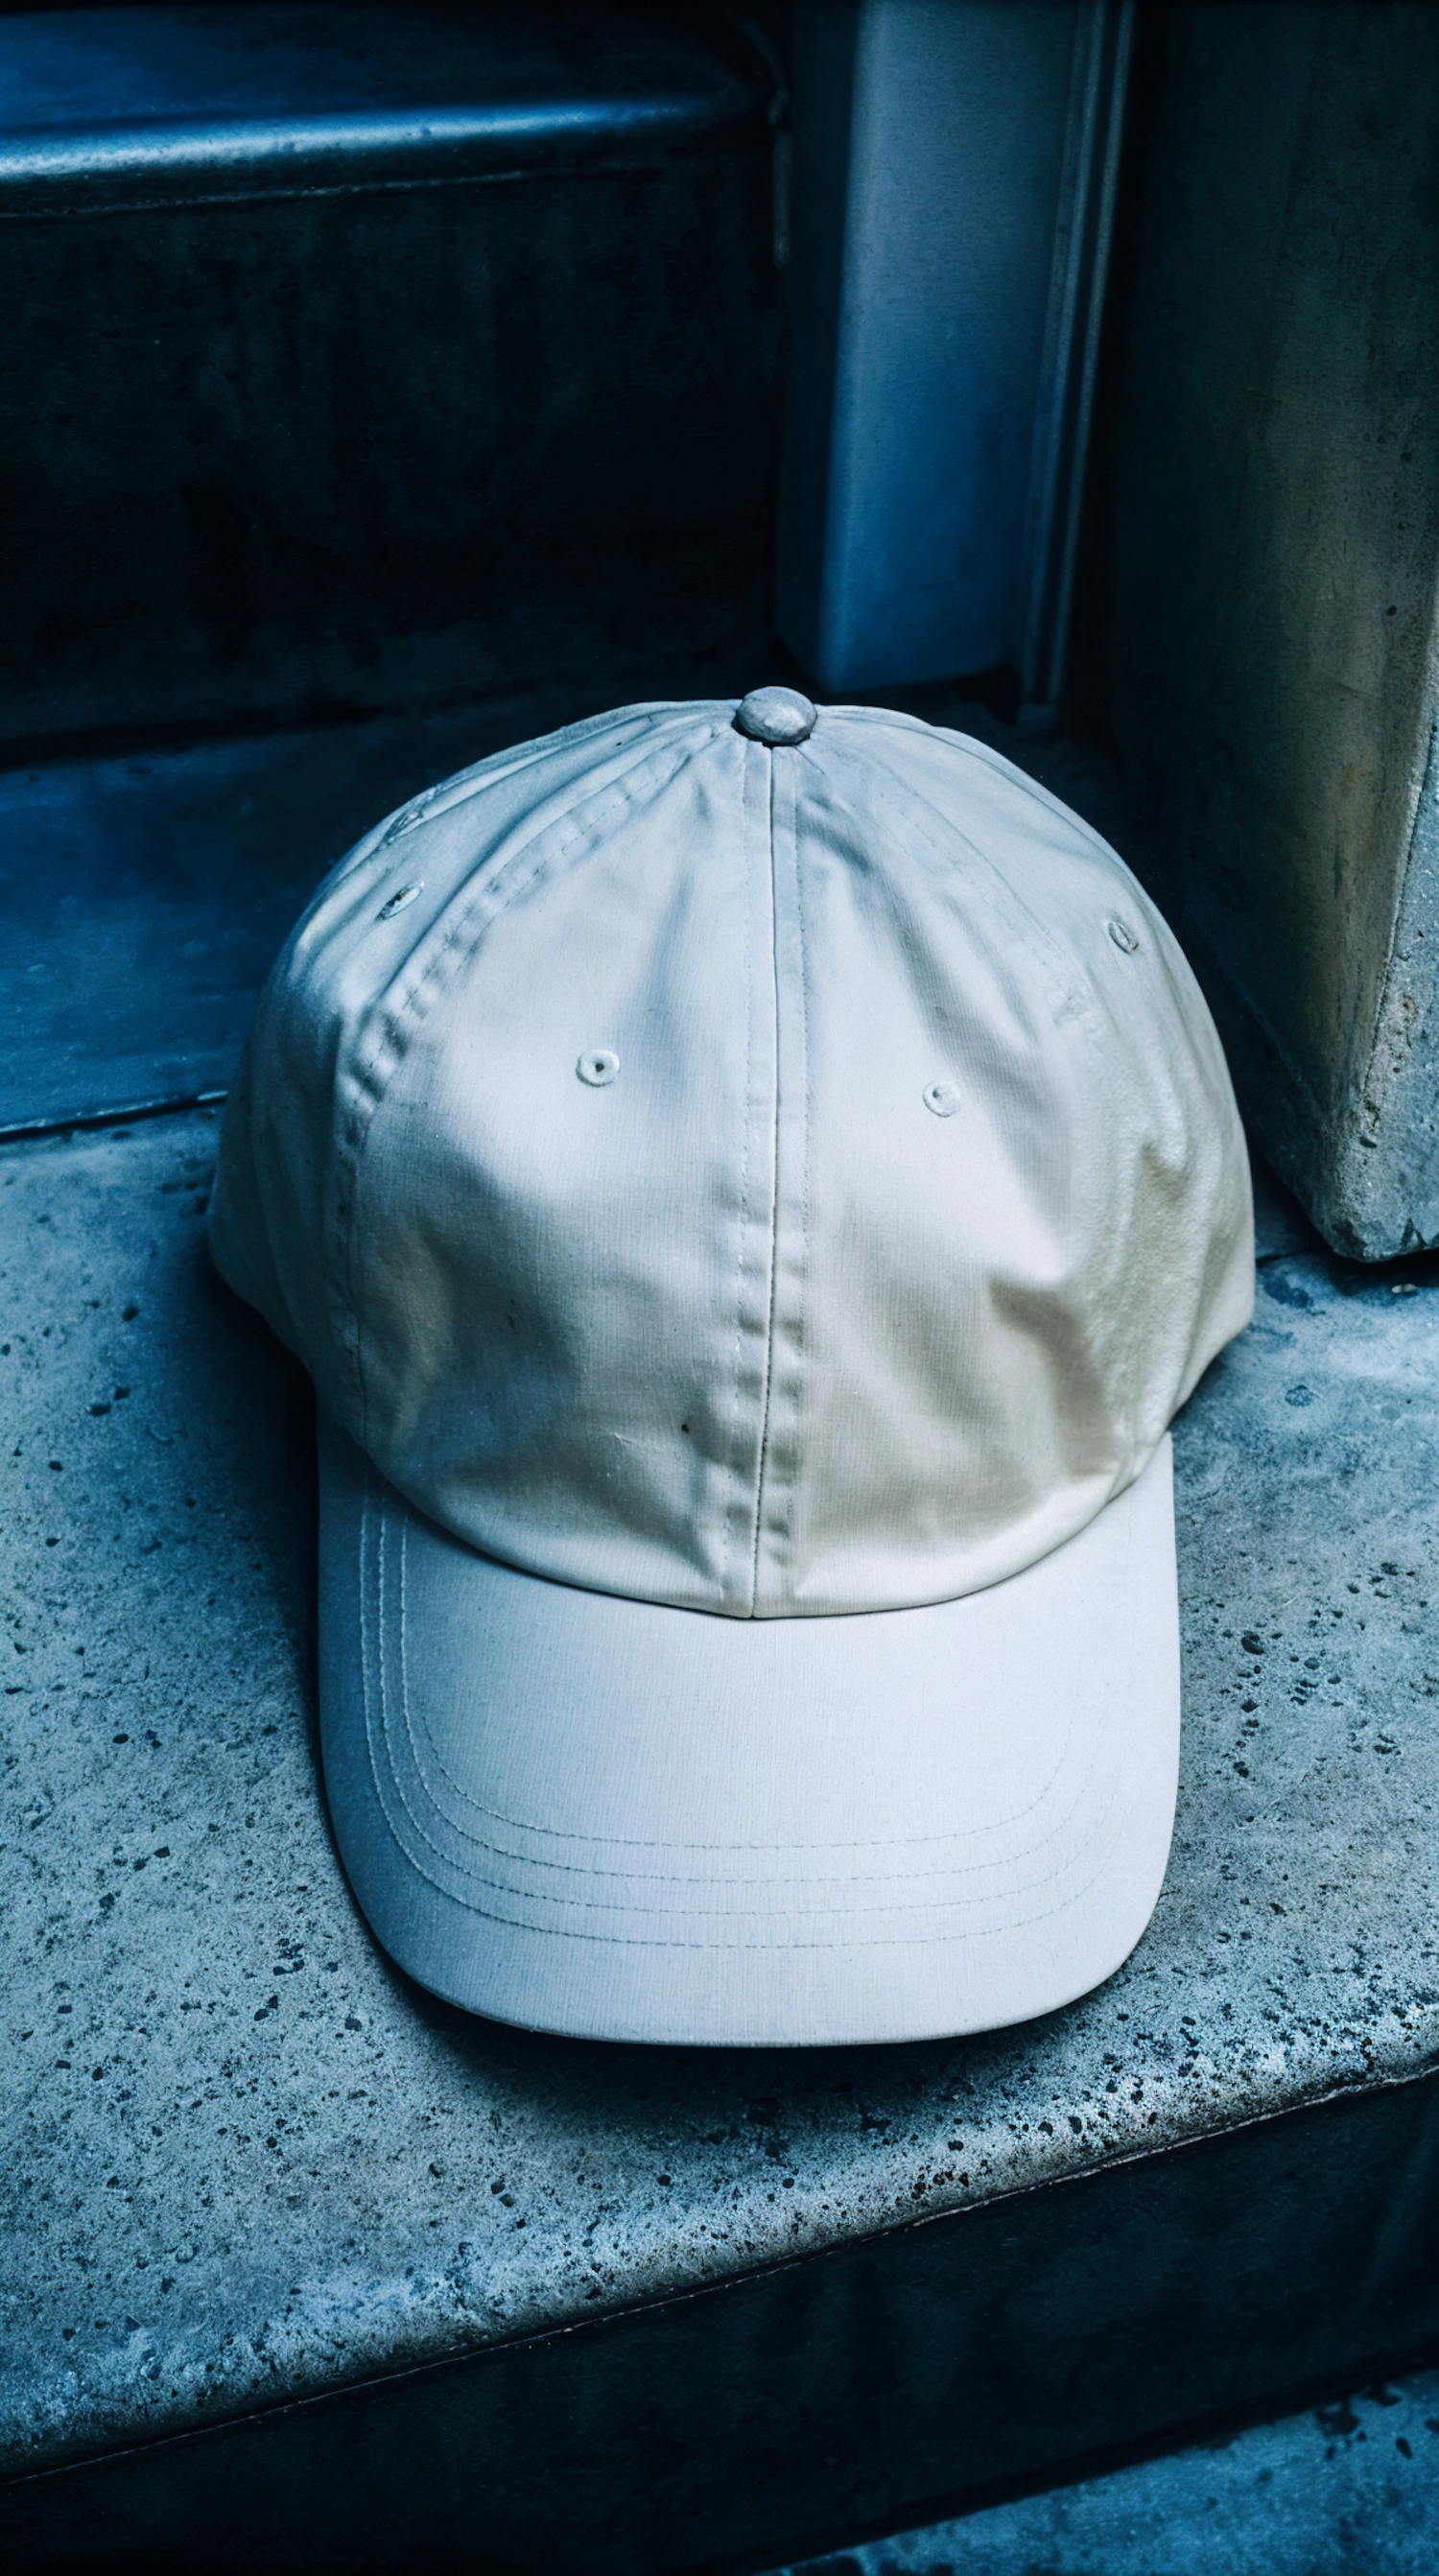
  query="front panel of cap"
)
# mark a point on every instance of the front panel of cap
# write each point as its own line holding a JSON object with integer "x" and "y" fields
{"x": 372, "y": 953}
{"x": 983, "y": 1319}
{"x": 561, "y": 1285}
{"x": 749, "y": 1327}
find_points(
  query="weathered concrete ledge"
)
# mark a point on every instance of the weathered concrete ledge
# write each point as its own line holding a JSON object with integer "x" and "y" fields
{"x": 245, "y": 2163}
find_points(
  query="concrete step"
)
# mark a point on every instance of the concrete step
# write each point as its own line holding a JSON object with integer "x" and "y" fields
{"x": 298, "y": 2263}
{"x": 363, "y": 358}
{"x": 1348, "y": 2489}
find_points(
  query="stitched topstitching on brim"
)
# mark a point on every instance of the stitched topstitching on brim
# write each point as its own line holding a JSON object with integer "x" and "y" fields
{"x": 774, "y": 1932}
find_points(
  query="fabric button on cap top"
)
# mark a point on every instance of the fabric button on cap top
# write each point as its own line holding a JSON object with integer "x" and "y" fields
{"x": 775, "y": 716}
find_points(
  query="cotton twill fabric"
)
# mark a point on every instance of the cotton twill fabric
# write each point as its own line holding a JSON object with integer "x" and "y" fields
{"x": 594, "y": 1815}
{"x": 747, "y": 1329}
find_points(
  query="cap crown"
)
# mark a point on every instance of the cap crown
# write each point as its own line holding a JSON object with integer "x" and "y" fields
{"x": 768, "y": 1180}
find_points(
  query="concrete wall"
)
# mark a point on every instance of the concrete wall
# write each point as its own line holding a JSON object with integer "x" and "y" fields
{"x": 1268, "y": 508}
{"x": 952, "y": 179}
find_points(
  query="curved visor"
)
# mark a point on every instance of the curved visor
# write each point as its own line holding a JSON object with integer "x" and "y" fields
{"x": 598, "y": 1816}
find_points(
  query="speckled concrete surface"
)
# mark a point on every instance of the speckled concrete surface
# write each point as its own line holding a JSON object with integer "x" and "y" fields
{"x": 1349, "y": 2490}
{"x": 244, "y": 2159}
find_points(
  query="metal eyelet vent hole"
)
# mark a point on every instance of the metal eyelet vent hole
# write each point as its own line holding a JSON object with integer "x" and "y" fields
{"x": 943, "y": 1098}
{"x": 597, "y": 1066}
{"x": 1123, "y": 937}
{"x": 400, "y": 901}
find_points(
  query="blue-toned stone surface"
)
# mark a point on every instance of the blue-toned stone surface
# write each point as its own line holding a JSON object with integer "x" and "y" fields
{"x": 243, "y": 2159}
{"x": 1350, "y": 2490}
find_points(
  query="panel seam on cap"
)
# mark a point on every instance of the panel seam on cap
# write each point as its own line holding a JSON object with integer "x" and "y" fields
{"x": 733, "y": 1501}
{"x": 774, "y": 1210}
{"x": 779, "y": 1471}
{"x": 1022, "y": 923}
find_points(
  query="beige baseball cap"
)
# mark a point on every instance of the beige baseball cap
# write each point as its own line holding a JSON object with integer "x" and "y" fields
{"x": 752, "y": 1186}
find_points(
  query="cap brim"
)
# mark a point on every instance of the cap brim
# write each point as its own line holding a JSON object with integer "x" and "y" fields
{"x": 602, "y": 1817}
